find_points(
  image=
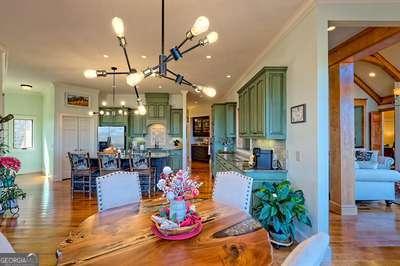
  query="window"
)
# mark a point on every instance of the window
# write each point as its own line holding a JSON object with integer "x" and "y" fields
{"x": 23, "y": 134}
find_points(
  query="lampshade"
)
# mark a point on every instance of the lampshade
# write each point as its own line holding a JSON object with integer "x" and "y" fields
{"x": 200, "y": 25}
{"x": 212, "y": 37}
{"x": 90, "y": 73}
{"x": 118, "y": 26}
{"x": 396, "y": 90}
{"x": 134, "y": 79}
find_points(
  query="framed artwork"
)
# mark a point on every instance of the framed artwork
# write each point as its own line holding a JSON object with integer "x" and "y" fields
{"x": 75, "y": 100}
{"x": 298, "y": 114}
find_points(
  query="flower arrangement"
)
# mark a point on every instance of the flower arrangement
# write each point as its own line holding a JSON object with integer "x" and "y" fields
{"x": 180, "y": 216}
{"x": 10, "y": 163}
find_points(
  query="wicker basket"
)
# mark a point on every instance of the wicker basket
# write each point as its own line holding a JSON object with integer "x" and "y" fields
{"x": 175, "y": 231}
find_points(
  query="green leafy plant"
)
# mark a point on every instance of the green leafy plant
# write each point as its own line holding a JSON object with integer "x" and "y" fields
{"x": 11, "y": 193}
{"x": 277, "y": 206}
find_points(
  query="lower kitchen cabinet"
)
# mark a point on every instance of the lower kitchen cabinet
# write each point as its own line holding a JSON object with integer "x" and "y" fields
{"x": 200, "y": 153}
{"x": 175, "y": 159}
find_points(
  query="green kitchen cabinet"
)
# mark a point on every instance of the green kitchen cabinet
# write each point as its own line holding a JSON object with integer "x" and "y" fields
{"x": 113, "y": 119}
{"x": 157, "y": 106}
{"x": 230, "y": 116}
{"x": 137, "y": 125}
{"x": 175, "y": 159}
{"x": 175, "y": 123}
{"x": 262, "y": 105}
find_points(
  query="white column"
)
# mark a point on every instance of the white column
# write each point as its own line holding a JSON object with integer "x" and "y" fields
{"x": 184, "y": 130}
{"x": 3, "y": 71}
{"x": 397, "y": 124}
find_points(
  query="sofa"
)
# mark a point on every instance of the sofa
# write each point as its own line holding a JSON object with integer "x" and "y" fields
{"x": 377, "y": 183}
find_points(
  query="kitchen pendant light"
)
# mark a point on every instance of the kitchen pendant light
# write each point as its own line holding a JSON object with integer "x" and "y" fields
{"x": 134, "y": 77}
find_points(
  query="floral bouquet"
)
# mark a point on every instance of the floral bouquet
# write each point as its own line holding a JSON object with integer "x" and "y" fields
{"x": 181, "y": 216}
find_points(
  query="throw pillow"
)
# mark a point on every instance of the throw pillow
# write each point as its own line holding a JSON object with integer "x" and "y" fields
{"x": 367, "y": 165}
{"x": 364, "y": 155}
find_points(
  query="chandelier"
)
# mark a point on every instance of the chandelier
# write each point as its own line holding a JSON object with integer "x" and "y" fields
{"x": 134, "y": 77}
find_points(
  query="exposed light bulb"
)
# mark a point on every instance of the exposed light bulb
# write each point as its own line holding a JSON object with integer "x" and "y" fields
{"x": 125, "y": 113}
{"x": 101, "y": 112}
{"x": 122, "y": 103}
{"x": 200, "y": 25}
{"x": 331, "y": 28}
{"x": 90, "y": 73}
{"x": 107, "y": 113}
{"x": 136, "y": 112}
{"x": 134, "y": 79}
{"x": 372, "y": 74}
{"x": 142, "y": 109}
{"x": 212, "y": 37}
{"x": 120, "y": 112}
{"x": 209, "y": 91}
{"x": 104, "y": 103}
{"x": 91, "y": 113}
{"x": 118, "y": 26}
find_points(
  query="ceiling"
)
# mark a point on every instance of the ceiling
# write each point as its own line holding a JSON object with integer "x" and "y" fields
{"x": 52, "y": 40}
{"x": 382, "y": 83}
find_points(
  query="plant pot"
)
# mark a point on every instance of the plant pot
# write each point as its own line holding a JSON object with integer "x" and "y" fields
{"x": 281, "y": 239}
{"x": 177, "y": 210}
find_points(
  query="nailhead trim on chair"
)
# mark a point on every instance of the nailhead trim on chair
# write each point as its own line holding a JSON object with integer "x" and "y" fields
{"x": 248, "y": 180}
{"x": 101, "y": 178}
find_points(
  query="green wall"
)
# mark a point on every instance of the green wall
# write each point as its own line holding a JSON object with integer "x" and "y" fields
{"x": 26, "y": 105}
{"x": 48, "y": 131}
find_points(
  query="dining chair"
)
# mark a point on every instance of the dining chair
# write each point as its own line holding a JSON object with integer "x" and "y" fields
{"x": 108, "y": 163}
{"x": 310, "y": 252}
{"x": 117, "y": 189}
{"x": 140, "y": 162}
{"x": 233, "y": 189}
{"x": 81, "y": 173}
{"x": 5, "y": 246}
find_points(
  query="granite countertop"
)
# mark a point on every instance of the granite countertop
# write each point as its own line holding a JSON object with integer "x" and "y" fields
{"x": 241, "y": 163}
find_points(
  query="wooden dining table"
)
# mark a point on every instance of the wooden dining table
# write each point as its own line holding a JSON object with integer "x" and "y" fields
{"x": 123, "y": 236}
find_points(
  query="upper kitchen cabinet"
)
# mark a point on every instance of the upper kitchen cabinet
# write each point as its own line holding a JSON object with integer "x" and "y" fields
{"x": 157, "y": 106}
{"x": 137, "y": 125}
{"x": 201, "y": 126}
{"x": 262, "y": 105}
{"x": 175, "y": 124}
{"x": 230, "y": 109}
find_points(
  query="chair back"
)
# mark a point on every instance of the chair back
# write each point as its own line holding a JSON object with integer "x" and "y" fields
{"x": 139, "y": 161}
{"x": 5, "y": 246}
{"x": 310, "y": 252}
{"x": 79, "y": 161}
{"x": 233, "y": 189}
{"x": 117, "y": 189}
{"x": 108, "y": 162}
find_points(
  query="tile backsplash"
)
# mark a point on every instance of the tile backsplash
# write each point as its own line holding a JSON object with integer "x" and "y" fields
{"x": 158, "y": 132}
{"x": 278, "y": 146}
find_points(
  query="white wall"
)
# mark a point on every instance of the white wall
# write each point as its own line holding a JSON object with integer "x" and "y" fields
{"x": 61, "y": 109}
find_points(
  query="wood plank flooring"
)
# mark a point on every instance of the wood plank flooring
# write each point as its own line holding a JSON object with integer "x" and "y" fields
{"x": 48, "y": 215}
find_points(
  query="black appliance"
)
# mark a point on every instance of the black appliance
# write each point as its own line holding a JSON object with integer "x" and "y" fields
{"x": 262, "y": 159}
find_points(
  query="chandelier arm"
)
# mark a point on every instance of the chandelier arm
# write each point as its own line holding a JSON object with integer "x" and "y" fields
{"x": 166, "y": 77}
{"x": 183, "y": 42}
{"x": 118, "y": 73}
{"x": 136, "y": 92}
{"x": 127, "y": 59}
{"x": 191, "y": 48}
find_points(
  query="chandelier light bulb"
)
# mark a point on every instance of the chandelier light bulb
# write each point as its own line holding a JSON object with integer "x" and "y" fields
{"x": 104, "y": 103}
{"x": 108, "y": 113}
{"x": 142, "y": 109}
{"x": 200, "y": 25}
{"x": 91, "y": 113}
{"x": 134, "y": 79}
{"x": 118, "y": 26}
{"x": 101, "y": 112}
{"x": 125, "y": 113}
{"x": 212, "y": 37}
{"x": 209, "y": 91}
{"x": 122, "y": 103}
{"x": 120, "y": 112}
{"x": 90, "y": 73}
{"x": 136, "y": 112}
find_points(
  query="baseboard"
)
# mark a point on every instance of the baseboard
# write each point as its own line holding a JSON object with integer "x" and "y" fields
{"x": 342, "y": 209}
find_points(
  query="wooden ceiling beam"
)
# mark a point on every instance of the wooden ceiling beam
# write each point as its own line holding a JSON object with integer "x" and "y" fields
{"x": 388, "y": 67}
{"x": 367, "y": 89}
{"x": 387, "y": 99}
{"x": 367, "y": 42}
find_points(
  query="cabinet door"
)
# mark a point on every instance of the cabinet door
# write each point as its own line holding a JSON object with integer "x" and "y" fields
{"x": 152, "y": 111}
{"x": 253, "y": 109}
{"x": 230, "y": 120}
{"x": 136, "y": 125}
{"x": 176, "y": 123}
{"x": 276, "y": 104}
{"x": 244, "y": 109}
{"x": 260, "y": 106}
{"x": 241, "y": 115}
{"x": 161, "y": 111}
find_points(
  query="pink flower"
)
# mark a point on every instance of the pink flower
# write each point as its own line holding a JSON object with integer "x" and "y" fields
{"x": 10, "y": 163}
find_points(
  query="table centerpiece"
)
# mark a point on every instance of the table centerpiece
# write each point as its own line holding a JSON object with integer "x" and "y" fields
{"x": 180, "y": 217}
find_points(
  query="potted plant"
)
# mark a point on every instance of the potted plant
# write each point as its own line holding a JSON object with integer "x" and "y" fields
{"x": 277, "y": 206}
{"x": 9, "y": 197}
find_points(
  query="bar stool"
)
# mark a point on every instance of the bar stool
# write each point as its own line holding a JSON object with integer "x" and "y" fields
{"x": 108, "y": 163}
{"x": 140, "y": 162}
{"x": 81, "y": 173}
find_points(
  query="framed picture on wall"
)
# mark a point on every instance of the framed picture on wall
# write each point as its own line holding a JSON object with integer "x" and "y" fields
{"x": 75, "y": 100}
{"x": 298, "y": 114}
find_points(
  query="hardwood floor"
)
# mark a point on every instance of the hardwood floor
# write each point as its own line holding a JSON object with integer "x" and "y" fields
{"x": 48, "y": 214}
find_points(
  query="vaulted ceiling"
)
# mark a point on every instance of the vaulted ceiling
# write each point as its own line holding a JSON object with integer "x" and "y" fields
{"x": 52, "y": 40}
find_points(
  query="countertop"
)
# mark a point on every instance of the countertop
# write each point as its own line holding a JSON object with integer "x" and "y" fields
{"x": 241, "y": 163}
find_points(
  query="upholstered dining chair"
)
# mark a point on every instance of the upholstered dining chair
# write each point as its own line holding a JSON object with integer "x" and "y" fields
{"x": 310, "y": 252}
{"x": 140, "y": 162}
{"x": 234, "y": 189}
{"x": 5, "y": 246}
{"x": 117, "y": 189}
{"x": 108, "y": 163}
{"x": 81, "y": 173}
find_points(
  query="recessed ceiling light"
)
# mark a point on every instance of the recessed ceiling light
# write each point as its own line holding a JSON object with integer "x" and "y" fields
{"x": 331, "y": 28}
{"x": 228, "y": 76}
{"x": 208, "y": 56}
{"x": 144, "y": 57}
{"x": 26, "y": 87}
{"x": 105, "y": 56}
{"x": 159, "y": 86}
{"x": 372, "y": 74}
